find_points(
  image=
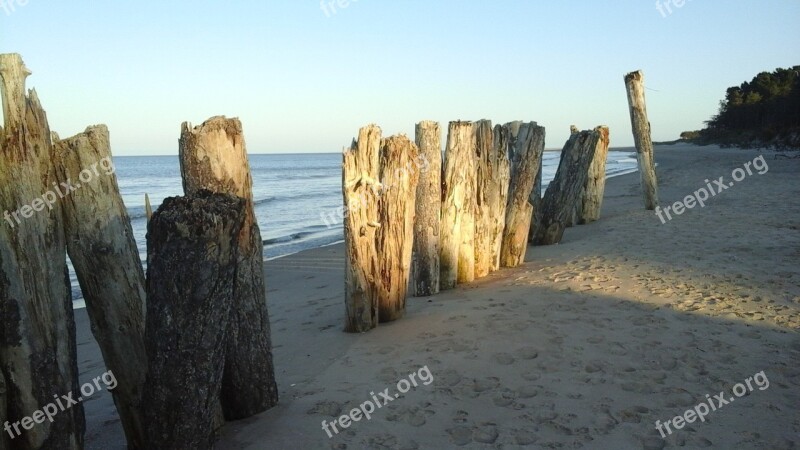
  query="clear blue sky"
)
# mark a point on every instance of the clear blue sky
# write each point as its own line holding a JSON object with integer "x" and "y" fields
{"x": 304, "y": 81}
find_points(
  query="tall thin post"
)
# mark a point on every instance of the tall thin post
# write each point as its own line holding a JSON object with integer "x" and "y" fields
{"x": 428, "y": 209}
{"x": 634, "y": 84}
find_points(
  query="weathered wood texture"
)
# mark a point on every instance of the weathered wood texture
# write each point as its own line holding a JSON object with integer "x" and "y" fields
{"x": 395, "y": 237}
{"x": 634, "y": 84}
{"x": 536, "y": 202}
{"x": 193, "y": 246}
{"x": 593, "y": 191}
{"x": 492, "y": 179}
{"x": 502, "y": 178}
{"x": 428, "y": 210}
{"x": 37, "y": 327}
{"x": 457, "y": 257}
{"x": 361, "y": 190}
{"x": 103, "y": 251}
{"x": 213, "y": 157}
{"x": 148, "y": 210}
{"x": 564, "y": 192}
{"x": 527, "y": 159}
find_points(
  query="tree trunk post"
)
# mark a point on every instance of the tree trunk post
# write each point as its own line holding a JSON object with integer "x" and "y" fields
{"x": 101, "y": 246}
{"x": 634, "y": 84}
{"x": 213, "y": 157}
{"x": 428, "y": 210}
{"x": 37, "y": 343}
{"x": 192, "y": 253}
{"x": 457, "y": 260}
{"x": 492, "y": 179}
{"x": 499, "y": 205}
{"x": 594, "y": 189}
{"x": 564, "y": 192}
{"x": 361, "y": 190}
{"x": 527, "y": 150}
{"x": 395, "y": 236}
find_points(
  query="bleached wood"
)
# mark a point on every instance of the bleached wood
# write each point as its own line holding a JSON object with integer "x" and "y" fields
{"x": 593, "y": 191}
{"x": 502, "y": 171}
{"x": 360, "y": 190}
{"x": 564, "y": 192}
{"x": 492, "y": 179}
{"x": 457, "y": 260}
{"x": 527, "y": 151}
{"x": 428, "y": 209}
{"x": 148, "y": 210}
{"x": 213, "y": 157}
{"x": 38, "y": 350}
{"x": 395, "y": 236}
{"x": 103, "y": 252}
{"x": 634, "y": 85}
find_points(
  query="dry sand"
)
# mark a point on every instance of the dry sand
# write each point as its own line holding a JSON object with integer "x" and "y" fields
{"x": 628, "y": 321}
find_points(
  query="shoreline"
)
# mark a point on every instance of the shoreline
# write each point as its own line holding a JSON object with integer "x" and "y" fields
{"x": 626, "y": 322}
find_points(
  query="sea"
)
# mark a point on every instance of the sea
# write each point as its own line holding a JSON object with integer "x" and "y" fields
{"x": 295, "y": 196}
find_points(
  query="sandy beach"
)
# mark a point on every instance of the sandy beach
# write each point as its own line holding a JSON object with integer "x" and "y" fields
{"x": 627, "y": 322}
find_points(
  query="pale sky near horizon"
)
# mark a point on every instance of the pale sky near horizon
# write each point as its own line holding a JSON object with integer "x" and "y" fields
{"x": 303, "y": 80}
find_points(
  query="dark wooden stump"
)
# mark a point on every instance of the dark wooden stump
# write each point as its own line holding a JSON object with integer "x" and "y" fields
{"x": 192, "y": 253}
{"x": 593, "y": 191}
{"x": 564, "y": 192}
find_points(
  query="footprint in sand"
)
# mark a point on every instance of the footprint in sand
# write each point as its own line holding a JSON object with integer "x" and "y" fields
{"x": 332, "y": 409}
{"x": 528, "y": 353}
{"x": 504, "y": 359}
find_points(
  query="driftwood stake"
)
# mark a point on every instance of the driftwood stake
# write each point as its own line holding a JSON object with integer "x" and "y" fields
{"x": 103, "y": 251}
{"x": 428, "y": 210}
{"x": 498, "y": 207}
{"x": 360, "y": 190}
{"x": 395, "y": 237}
{"x": 593, "y": 191}
{"x": 564, "y": 192}
{"x": 148, "y": 210}
{"x": 37, "y": 342}
{"x": 192, "y": 253}
{"x": 457, "y": 259}
{"x": 634, "y": 84}
{"x": 213, "y": 157}
{"x": 493, "y": 173}
{"x": 527, "y": 159}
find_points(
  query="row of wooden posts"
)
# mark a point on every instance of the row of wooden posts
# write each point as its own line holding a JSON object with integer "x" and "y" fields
{"x": 471, "y": 214}
{"x": 189, "y": 343}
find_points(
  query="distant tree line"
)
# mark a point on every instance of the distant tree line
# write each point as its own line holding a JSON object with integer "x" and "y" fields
{"x": 762, "y": 112}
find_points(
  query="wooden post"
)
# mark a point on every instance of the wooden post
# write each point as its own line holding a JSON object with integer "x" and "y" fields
{"x": 457, "y": 260}
{"x": 360, "y": 190}
{"x": 634, "y": 84}
{"x": 213, "y": 156}
{"x": 564, "y": 192}
{"x": 103, "y": 251}
{"x": 536, "y": 203}
{"x": 492, "y": 171}
{"x": 593, "y": 191}
{"x": 192, "y": 253}
{"x": 428, "y": 210}
{"x": 395, "y": 236}
{"x": 528, "y": 148}
{"x": 148, "y": 210}
{"x": 37, "y": 347}
{"x": 502, "y": 174}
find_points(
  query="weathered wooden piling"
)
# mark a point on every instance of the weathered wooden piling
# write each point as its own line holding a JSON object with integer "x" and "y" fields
{"x": 428, "y": 209}
{"x": 593, "y": 191}
{"x": 213, "y": 157}
{"x": 457, "y": 257}
{"x": 37, "y": 343}
{"x": 634, "y": 85}
{"x": 361, "y": 190}
{"x": 502, "y": 174}
{"x": 395, "y": 236}
{"x": 564, "y": 192}
{"x": 103, "y": 251}
{"x": 193, "y": 246}
{"x": 148, "y": 210}
{"x": 492, "y": 178}
{"x": 527, "y": 158}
